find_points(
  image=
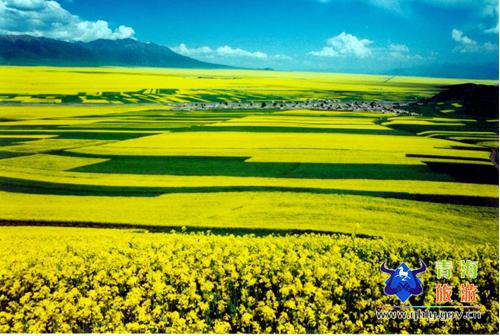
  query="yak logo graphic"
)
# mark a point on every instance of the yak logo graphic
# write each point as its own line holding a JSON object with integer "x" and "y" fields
{"x": 403, "y": 282}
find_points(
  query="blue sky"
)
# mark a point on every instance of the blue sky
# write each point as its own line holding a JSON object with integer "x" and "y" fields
{"x": 372, "y": 36}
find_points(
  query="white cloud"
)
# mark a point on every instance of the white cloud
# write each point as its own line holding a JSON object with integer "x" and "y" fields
{"x": 226, "y": 52}
{"x": 469, "y": 45}
{"x": 281, "y": 57}
{"x": 480, "y": 8}
{"x": 398, "y": 52}
{"x": 185, "y": 50}
{"x": 237, "y": 52}
{"x": 459, "y": 36}
{"x": 402, "y": 52}
{"x": 492, "y": 30}
{"x": 47, "y": 18}
{"x": 348, "y": 46}
{"x": 490, "y": 10}
{"x": 400, "y": 48}
{"x": 484, "y": 6}
{"x": 325, "y": 52}
{"x": 344, "y": 45}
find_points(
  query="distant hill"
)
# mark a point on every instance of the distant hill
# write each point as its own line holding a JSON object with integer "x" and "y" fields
{"x": 30, "y": 50}
{"x": 477, "y": 99}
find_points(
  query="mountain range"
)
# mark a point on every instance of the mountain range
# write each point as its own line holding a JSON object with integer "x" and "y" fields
{"x": 31, "y": 50}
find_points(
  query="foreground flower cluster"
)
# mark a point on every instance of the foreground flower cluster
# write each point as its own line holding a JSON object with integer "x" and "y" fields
{"x": 89, "y": 280}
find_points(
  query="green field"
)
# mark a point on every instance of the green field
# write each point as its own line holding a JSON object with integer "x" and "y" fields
{"x": 137, "y": 163}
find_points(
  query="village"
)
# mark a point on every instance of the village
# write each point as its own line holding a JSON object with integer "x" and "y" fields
{"x": 310, "y": 104}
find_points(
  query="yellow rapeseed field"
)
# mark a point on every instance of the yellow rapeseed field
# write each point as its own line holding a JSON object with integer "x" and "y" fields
{"x": 280, "y": 211}
{"x": 283, "y": 218}
{"x": 87, "y": 280}
{"x": 305, "y": 146}
{"x": 196, "y": 83}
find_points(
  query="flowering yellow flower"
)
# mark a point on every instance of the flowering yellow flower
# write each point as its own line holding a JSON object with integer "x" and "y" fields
{"x": 121, "y": 281}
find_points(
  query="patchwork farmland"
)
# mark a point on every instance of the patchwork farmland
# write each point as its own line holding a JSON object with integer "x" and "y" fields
{"x": 106, "y": 148}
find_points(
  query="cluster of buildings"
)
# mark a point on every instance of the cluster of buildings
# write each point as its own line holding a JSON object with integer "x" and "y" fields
{"x": 310, "y": 104}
